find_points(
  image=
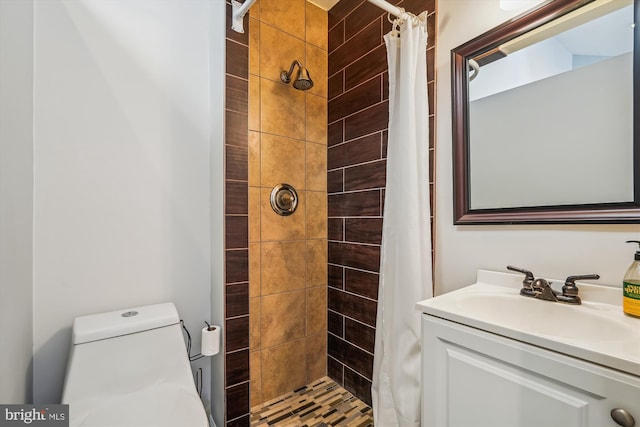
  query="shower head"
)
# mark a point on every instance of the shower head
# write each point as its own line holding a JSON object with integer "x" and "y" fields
{"x": 303, "y": 80}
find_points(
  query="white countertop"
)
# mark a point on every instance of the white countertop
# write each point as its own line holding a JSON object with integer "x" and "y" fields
{"x": 597, "y": 330}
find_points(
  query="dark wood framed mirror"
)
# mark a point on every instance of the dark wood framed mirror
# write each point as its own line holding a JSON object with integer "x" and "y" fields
{"x": 591, "y": 194}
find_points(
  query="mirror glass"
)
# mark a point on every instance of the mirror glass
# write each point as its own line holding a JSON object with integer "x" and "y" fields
{"x": 543, "y": 131}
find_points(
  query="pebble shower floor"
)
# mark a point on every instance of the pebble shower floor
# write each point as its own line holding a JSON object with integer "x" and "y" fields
{"x": 320, "y": 404}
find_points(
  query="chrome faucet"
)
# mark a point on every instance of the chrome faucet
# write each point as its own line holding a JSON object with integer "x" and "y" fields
{"x": 541, "y": 288}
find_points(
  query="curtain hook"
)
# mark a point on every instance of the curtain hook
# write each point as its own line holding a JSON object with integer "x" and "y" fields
{"x": 396, "y": 27}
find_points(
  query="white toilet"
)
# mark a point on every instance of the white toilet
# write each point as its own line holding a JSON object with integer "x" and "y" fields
{"x": 131, "y": 368}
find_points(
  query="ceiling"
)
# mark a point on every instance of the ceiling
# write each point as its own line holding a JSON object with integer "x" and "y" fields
{"x": 324, "y": 4}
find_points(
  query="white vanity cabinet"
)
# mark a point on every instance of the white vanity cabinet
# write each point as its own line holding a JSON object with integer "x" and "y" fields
{"x": 475, "y": 378}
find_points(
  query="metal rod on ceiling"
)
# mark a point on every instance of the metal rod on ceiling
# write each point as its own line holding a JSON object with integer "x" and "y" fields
{"x": 389, "y": 8}
{"x": 240, "y": 9}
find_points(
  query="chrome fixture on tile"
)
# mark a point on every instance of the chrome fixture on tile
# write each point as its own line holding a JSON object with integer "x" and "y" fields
{"x": 303, "y": 80}
{"x": 284, "y": 199}
{"x": 541, "y": 288}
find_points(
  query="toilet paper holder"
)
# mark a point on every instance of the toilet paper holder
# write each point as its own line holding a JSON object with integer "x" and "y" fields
{"x": 210, "y": 343}
{"x": 210, "y": 327}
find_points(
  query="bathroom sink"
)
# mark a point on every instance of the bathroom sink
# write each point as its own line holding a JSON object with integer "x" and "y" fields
{"x": 578, "y": 323}
{"x": 597, "y": 330}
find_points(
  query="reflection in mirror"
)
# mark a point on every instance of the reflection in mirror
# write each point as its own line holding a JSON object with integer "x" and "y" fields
{"x": 545, "y": 132}
{"x": 582, "y": 75}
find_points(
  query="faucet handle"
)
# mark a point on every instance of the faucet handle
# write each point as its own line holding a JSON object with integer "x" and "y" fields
{"x": 570, "y": 288}
{"x": 528, "y": 280}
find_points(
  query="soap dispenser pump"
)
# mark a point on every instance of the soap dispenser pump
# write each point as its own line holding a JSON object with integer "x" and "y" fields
{"x": 631, "y": 286}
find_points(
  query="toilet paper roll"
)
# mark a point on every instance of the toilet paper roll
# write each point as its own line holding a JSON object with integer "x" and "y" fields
{"x": 210, "y": 344}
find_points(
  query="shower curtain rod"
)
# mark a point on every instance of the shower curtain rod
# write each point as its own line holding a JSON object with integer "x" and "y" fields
{"x": 241, "y": 9}
{"x": 389, "y": 8}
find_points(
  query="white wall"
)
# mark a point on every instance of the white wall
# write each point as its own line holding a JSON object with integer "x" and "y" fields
{"x": 122, "y": 176}
{"x": 548, "y": 250}
{"x": 16, "y": 195}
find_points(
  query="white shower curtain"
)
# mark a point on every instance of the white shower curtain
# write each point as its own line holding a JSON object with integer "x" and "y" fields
{"x": 405, "y": 264}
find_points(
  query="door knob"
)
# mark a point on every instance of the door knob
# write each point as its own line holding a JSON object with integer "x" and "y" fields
{"x": 622, "y": 417}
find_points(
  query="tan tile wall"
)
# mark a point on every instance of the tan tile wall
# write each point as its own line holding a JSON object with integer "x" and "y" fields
{"x": 287, "y": 144}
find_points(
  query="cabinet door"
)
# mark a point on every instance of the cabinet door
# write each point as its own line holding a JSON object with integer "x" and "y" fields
{"x": 472, "y": 378}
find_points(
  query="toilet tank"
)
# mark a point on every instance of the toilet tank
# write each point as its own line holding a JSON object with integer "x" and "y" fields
{"x": 130, "y": 368}
{"x": 122, "y": 322}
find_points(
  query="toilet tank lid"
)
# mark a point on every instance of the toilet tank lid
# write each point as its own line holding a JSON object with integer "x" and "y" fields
{"x": 123, "y": 322}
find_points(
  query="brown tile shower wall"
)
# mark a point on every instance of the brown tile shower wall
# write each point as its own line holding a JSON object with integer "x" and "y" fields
{"x": 276, "y": 268}
{"x": 236, "y": 331}
{"x": 287, "y": 143}
{"x": 357, "y": 142}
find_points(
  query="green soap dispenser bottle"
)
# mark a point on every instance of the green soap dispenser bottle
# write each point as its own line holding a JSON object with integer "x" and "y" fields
{"x": 631, "y": 286}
